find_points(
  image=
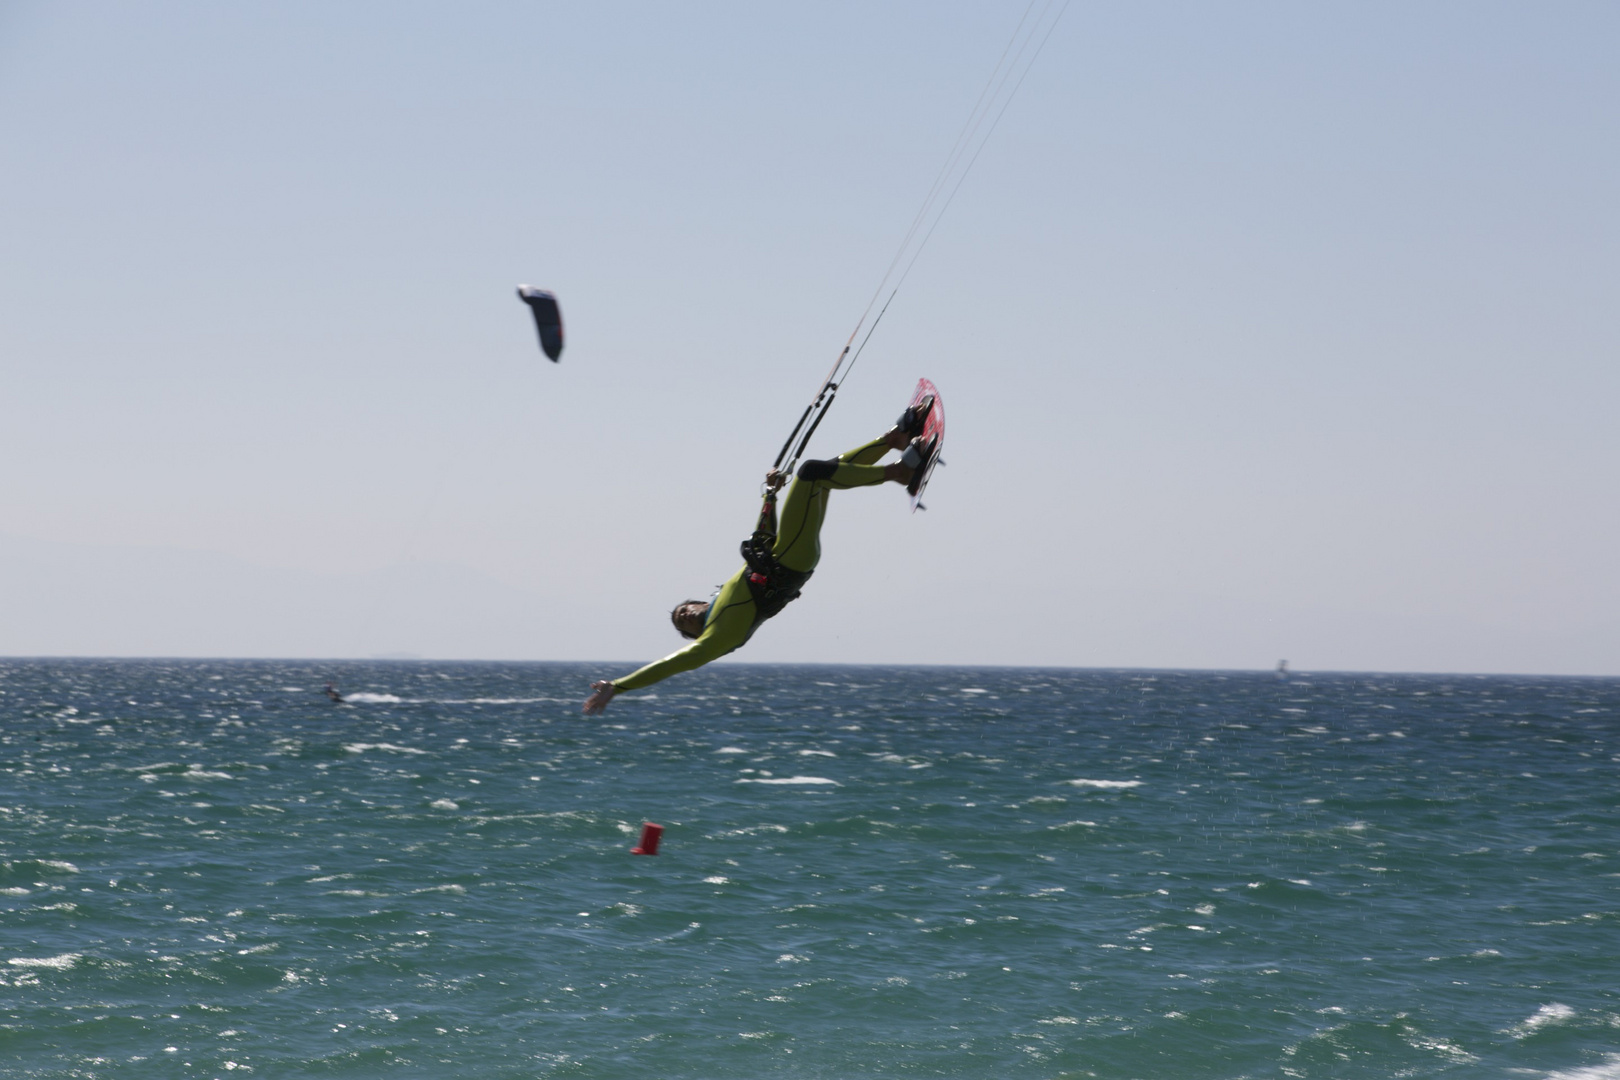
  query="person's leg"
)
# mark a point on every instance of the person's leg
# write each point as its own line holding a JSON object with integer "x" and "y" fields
{"x": 867, "y": 453}
{"x": 798, "y": 538}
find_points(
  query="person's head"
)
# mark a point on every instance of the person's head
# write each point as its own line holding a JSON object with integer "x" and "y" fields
{"x": 688, "y": 617}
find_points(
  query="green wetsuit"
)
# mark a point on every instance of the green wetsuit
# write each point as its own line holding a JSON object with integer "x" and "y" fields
{"x": 732, "y": 616}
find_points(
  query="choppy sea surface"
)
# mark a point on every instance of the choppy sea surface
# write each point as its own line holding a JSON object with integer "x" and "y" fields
{"x": 209, "y": 870}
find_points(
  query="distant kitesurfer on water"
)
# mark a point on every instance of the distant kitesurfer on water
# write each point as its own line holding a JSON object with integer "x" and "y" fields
{"x": 331, "y": 692}
{"x": 778, "y": 561}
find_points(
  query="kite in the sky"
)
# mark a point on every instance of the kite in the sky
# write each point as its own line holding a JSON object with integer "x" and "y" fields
{"x": 547, "y": 318}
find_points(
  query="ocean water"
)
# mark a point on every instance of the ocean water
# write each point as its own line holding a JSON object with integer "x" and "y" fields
{"x": 208, "y": 870}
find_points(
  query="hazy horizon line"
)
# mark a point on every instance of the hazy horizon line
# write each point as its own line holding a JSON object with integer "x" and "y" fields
{"x": 1292, "y": 674}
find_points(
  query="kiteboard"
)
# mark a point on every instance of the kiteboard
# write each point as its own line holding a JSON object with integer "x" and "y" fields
{"x": 933, "y": 439}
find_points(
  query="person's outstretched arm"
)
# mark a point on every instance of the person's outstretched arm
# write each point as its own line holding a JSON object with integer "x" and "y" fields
{"x": 727, "y": 628}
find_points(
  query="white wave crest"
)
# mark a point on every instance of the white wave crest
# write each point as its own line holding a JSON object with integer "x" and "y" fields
{"x": 790, "y": 780}
{"x": 1107, "y": 785}
{"x": 1547, "y": 1015}
{"x": 60, "y": 963}
{"x": 444, "y": 804}
{"x": 365, "y": 697}
{"x": 57, "y": 864}
{"x": 1607, "y": 1069}
{"x": 362, "y": 747}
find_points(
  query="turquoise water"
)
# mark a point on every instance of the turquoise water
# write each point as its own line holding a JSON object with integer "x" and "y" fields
{"x": 208, "y": 870}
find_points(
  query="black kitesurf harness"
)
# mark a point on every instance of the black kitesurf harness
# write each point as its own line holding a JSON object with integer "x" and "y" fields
{"x": 772, "y": 585}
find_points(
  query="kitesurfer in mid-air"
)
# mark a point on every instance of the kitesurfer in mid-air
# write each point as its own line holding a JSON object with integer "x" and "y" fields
{"x": 778, "y": 561}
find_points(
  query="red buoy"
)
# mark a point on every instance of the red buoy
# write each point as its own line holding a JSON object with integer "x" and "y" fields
{"x": 649, "y": 839}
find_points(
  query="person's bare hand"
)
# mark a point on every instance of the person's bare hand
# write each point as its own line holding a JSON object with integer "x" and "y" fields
{"x": 602, "y": 692}
{"x": 776, "y": 479}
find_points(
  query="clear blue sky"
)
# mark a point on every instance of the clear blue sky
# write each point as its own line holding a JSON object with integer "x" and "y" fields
{"x": 1266, "y": 330}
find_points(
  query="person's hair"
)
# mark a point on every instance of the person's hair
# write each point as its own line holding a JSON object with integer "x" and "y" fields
{"x": 675, "y": 612}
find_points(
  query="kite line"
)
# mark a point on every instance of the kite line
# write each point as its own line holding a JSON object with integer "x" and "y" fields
{"x": 1000, "y": 88}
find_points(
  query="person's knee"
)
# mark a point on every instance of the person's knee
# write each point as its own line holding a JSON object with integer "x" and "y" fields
{"x": 817, "y": 470}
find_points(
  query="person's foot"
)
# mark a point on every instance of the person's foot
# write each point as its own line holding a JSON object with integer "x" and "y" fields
{"x": 918, "y": 456}
{"x": 912, "y": 421}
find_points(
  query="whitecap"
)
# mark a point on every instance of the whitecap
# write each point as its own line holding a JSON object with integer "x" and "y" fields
{"x": 791, "y": 780}
{"x": 731, "y": 750}
{"x": 458, "y": 890}
{"x": 444, "y": 804}
{"x": 60, "y": 963}
{"x": 1107, "y": 785}
{"x": 717, "y": 879}
{"x": 197, "y": 773}
{"x": 362, "y": 747}
{"x": 491, "y": 701}
{"x": 1073, "y": 824}
{"x": 58, "y": 864}
{"x": 817, "y": 753}
{"x": 973, "y": 690}
{"x": 1607, "y": 1069}
{"x": 365, "y": 697}
{"x": 1554, "y": 1013}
